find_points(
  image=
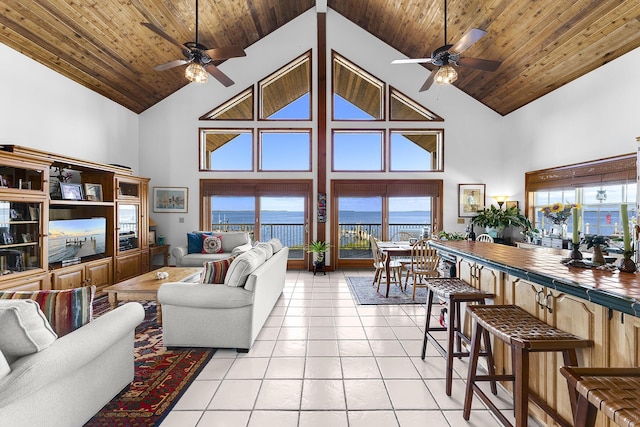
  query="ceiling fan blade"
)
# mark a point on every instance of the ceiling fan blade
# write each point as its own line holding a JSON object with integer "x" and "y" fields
{"x": 219, "y": 75}
{"x": 221, "y": 53}
{"x": 479, "y": 64}
{"x": 171, "y": 64}
{"x": 164, "y": 35}
{"x": 412, "y": 61}
{"x": 472, "y": 36}
{"x": 427, "y": 84}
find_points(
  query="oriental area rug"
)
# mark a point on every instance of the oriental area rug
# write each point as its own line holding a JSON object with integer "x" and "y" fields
{"x": 365, "y": 293}
{"x": 161, "y": 375}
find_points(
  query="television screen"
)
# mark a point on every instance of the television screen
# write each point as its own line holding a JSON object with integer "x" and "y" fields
{"x": 76, "y": 238}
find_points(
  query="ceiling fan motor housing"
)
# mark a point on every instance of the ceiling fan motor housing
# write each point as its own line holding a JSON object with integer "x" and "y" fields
{"x": 442, "y": 56}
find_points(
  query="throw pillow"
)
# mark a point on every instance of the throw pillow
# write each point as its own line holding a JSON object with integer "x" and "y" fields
{"x": 243, "y": 266}
{"x": 66, "y": 310}
{"x": 276, "y": 244}
{"x": 215, "y": 271}
{"x": 194, "y": 242}
{"x": 211, "y": 244}
{"x": 5, "y": 369}
{"x": 267, "y": 247}
{"x": 23, "y": 329}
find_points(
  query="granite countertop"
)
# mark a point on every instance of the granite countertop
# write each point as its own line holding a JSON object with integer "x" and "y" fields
{"x": 615, "y": 290}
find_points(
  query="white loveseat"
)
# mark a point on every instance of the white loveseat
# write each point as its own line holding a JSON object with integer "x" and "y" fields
{"x": 233, "y": 242}
{"x": 68, "y": 382}
{"x": 228, "y": 315}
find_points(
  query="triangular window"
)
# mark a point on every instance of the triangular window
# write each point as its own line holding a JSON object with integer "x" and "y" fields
{"x": 240, "y": 107}
{"x": 403, "y": 108}
{"x": 357, "y": 95}
{"x": 286, "y": 94}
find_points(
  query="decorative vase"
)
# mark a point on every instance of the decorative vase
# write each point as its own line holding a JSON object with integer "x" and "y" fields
{"x": 563, "y": 230}
{"x": 627, "y": 265}
{"x": 575, "y": 251}
{"x": 598, "y": 258}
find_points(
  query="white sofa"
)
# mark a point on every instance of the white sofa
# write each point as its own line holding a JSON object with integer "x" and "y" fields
{"x": 68, "y": 382}
{"x": 233, "y": 242}
{"x": 226, "y": 315}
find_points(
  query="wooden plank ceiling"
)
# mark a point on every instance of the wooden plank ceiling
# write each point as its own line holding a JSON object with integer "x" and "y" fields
{"x": 542, "y": 44}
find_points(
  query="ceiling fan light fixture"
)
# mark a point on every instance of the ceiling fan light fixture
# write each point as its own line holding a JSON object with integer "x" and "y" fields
{"x": 196, "y": 73}
{"x": 446, "y": 75}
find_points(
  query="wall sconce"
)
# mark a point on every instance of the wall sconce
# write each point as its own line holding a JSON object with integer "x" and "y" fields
{"x": 501, "y": 200}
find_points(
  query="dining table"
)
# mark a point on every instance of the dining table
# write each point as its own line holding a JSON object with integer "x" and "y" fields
{"x": 393, "y": 250}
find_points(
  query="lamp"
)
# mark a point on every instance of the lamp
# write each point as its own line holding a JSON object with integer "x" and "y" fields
{"x": 152, "y": 223}
{"x": 196, "y": 73}
{"x": 501, "y": 200}
{"x": 446, "y": 75}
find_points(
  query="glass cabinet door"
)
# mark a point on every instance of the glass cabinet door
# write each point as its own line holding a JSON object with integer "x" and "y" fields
{"x": 128, "y": 226}
{"x": 20, "y": 237}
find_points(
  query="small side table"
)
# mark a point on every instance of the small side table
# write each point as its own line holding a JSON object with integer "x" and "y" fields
{"x": 157, "y": 250}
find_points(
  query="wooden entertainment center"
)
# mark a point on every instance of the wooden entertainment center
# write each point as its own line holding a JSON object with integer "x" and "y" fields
{"x": 32, "y": 200}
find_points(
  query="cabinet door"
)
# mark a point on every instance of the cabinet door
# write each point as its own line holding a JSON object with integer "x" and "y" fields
{"x": 31, "y": 283}
{"x": 624, "y": 340}
{"x": 127, "y": 266}
{"x": 68, "y": 277}
{"x": 584, "y": 319}
{"x": 99, "y": 273}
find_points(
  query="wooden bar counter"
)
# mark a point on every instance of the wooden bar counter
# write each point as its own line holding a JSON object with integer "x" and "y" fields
{"x": 599, "y": 305}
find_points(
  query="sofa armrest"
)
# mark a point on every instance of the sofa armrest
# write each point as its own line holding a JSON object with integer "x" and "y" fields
{"x": 203, "y": 295}
{"x": 178, "y": 252}
{"x": 242, "y": 248}
{"x": 69, "y": 353}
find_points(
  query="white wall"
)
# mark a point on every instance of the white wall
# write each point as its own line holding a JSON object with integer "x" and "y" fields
{"x": 45, "y": 110}
{"x": 593, "y": 117}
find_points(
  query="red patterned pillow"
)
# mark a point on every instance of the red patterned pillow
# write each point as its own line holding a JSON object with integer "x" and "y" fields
{"x": 66, "y": 310}
{"x": 215, "y": 271}
{"x": 211, "y": 244}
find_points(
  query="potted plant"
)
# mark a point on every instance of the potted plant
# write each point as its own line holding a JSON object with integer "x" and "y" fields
{"x": 596, "y": 242}
{"x": 494, "y": 219}
{"x": 318, "y": 247}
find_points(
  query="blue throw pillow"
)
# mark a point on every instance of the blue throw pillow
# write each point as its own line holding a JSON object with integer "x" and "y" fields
{"x": 194, "y": 242}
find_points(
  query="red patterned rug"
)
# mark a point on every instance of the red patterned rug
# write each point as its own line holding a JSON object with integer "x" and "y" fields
{"x": 161, "y": 376}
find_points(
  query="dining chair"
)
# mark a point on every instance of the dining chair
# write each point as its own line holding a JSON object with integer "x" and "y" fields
{"x": 484, "y": 238}
{"x": 379, "y": 263}
{"x": 424, "y": 264}
{"x": 402, "y": 236}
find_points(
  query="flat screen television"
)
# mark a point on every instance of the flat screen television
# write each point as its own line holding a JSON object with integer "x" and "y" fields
{"x": 76, "y": 238}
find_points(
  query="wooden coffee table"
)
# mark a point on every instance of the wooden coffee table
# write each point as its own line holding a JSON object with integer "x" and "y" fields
{"x": 145, "y": 287}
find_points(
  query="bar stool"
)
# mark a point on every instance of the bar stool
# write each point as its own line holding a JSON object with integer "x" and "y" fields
{"x": 455, "y": 291}
{"x": 614, "y": 391}
{"x": 525, "y": 334}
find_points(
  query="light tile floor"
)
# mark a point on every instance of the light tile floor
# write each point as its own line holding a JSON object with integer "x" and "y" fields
{"x": 323, "y": 360}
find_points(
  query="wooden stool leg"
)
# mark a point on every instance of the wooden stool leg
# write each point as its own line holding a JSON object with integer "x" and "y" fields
{"x": 426, "y": 326}
{"x": 473, "y": 366}
{"x": 570, "y": 359}
{"x": 585, "y": 415}
{"x": 458, "y": 328}
{"x": 491, "y": 366}
{"x": 451, "y": 335}
{"x": 521, "y": 385}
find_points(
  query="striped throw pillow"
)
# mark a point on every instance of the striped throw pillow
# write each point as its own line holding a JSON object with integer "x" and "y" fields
{"x": 215, "y": 271}
{"x": 66, "y": 310}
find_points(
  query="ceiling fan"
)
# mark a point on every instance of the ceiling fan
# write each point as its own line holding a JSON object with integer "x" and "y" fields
{"x": 199, "y": 57}
{"x": 446, "y": 56}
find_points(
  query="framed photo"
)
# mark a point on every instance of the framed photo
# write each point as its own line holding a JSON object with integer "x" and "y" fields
{"x": 170, "y": 199}
{"x": 511, "y": 203}
{"x": 71, "y": 191}
{"x": 93, "y": 192}
{"x": 152, "y": 238}
{"x": 471, "y": 199}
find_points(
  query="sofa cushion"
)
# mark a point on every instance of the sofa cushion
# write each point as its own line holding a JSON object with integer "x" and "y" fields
{"x": 5, "y": 369}
{"x": 276, "y": 244}
{"x": 233, "y": 239}
{"x": 242, "y": 266}
{"x": 65, "y": 310}
{"x": 211, "y": 244}
{"x": 215, "y": 271}
{"x": 23, "y": 329}
{"x": 194, "y": 241}
{"x": 267, "y": 247}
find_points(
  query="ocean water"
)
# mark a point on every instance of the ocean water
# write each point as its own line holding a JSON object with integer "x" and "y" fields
{"x": 288, "y": 226}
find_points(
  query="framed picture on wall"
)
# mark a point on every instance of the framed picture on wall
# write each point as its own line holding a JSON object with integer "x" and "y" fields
{"x": 170, "y": 199}
{"x": 471, "y": 199}
{"x": 511, "y": 203}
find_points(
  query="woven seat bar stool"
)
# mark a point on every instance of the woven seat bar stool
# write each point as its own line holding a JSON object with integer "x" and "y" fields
{"x": 454, "y": 291}
{"x": 525, "y": 334}
{"x": 614, "y": 391}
